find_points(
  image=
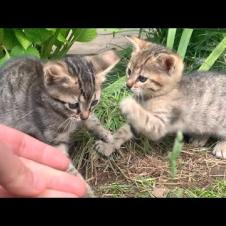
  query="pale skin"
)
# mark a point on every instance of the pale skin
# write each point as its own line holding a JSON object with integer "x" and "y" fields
{"x": 30, "y": 168}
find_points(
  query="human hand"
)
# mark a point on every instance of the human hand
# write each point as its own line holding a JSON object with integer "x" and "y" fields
{"x": 30, "y": 168}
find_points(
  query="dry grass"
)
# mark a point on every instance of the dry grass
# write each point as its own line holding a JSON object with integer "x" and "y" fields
{"x": 143, "y": 170}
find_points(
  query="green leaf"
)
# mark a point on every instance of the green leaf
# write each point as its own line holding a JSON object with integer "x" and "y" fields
{"x": 184, "y": 41}
{"x": 51, "y": 29}
{"x": 1, "y": 35}
{"x": 64, "y": 31}
{"x": 9, "y": 39}
{"x": 33, "y": 51}
{"x": 5, "y": 58}
{"x": 216, "y": 53}
{"x": 84, "y": 34}
{"x": 38, "y": 35}
{"x": 19, "y": 51}
{"x": 171, "y": 37}
{"x": 23, "y": 40}
{"x": 61, "y": 38}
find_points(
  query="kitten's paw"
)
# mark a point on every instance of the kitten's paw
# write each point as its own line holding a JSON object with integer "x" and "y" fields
{"x": 198, "y": 142}
{"x": 108, "y": 138}
{"x": 220, "y": 150}
{"x": 126, "y": 105}
{"x": 103, "y": 148}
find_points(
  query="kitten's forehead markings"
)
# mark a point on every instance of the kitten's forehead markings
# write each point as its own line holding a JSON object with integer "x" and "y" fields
{"x": 85, "y": 75}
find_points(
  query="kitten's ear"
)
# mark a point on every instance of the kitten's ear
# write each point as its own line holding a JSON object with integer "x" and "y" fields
{"x": 138, "y": 43}
{"x": 171, "y": 63}
{"x": 54, "y": 72}
{"x": 103, "y": 63}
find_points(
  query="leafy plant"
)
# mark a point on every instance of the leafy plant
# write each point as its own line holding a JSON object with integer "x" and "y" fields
{"x": 41, "y": 42}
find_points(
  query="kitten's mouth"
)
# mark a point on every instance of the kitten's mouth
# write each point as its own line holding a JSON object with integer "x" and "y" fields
{"x": 75, "y": 116}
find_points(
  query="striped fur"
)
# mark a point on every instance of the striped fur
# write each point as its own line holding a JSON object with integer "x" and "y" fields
{"x": 164, "y": 102}
{"x": 47, "y": 100}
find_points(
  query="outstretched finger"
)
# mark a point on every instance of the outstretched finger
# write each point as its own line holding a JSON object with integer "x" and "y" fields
{"x": 33, "y": 149}
{"x": 16, "y": 178}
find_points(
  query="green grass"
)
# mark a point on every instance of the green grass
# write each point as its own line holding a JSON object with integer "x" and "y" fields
{"x": 216, "y": 190}
{"x": 197, "y": 46}
{"x": 139, "y": 187}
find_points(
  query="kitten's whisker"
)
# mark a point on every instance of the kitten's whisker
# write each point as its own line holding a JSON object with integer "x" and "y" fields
{"x": 61, "y": 127}
{"x": 24, "y": 116}
{"x": 71, "y": 121}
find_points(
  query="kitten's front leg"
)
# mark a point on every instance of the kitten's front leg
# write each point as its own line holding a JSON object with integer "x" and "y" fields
{"x": 152, "y": 126}
{"x": 121, "y": 136}
{"x": 71, "y": 168}
{"x": 94, "y": 125}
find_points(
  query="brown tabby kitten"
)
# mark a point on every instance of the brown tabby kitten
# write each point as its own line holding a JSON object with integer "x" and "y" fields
{"x": 50, "y": 100}
{"x": 164, "y": 102}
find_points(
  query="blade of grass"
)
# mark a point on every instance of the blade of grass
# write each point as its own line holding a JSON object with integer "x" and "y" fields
{"x": 216, "y": 53}
{"x": 171, "y": 37}
{"x": 117, "y": 85}
{"x": 177, "y": 147}
{"x": 184, "y": 41}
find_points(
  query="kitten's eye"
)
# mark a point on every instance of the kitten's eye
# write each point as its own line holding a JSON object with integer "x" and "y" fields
{"x": 129, "y": 71}
{"x": 94, "y": 103}
{"x": 142, "y": 78}
{"x": 73, "y": 106}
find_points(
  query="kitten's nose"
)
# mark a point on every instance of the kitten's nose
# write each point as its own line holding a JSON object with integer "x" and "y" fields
{"x": 129, "y": 84}
{"x": 84, "y": 115}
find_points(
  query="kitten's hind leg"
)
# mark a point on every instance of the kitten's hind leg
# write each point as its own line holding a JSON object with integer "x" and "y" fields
{"x": 220, "y": 150}
{"x": 198, "y": 141}
{"x": 119, "y": 138}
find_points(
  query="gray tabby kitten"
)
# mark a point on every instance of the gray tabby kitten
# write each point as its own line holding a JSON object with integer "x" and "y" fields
{"x": 165, "y": 101}
{"x": 50, "y": 100}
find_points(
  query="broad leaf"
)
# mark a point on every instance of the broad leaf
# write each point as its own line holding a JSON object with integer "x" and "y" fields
{"x": 1, "y": 35}
{"x": 38, "y": 35}
{"x": 5, "y": 58}
{"x": 9, "y": 39}
{"x": 23, "y": 40}
{"x": 84, "y": 34}
{"x": 19, "y": 51}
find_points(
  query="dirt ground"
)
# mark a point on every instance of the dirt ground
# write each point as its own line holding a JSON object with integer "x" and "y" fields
{"x": 131, "y": 173}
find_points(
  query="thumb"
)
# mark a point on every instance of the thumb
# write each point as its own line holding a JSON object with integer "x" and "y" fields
{"x": 15, "y": 177}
